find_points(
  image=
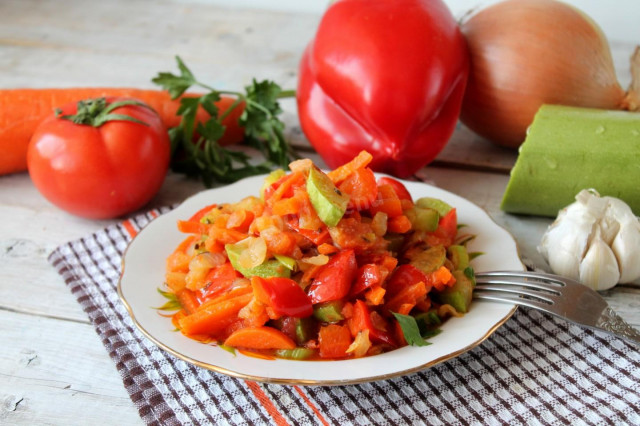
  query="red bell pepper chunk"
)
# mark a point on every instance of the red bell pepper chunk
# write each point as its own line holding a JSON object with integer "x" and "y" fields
{"x": 283, "y": 295}
{"x": 361, "y": 320}
{"x": 403, "y": 277}
{"x": 367, "y": 276}
{"x": 334, "y": 279}
{"x": 401, "y": 191}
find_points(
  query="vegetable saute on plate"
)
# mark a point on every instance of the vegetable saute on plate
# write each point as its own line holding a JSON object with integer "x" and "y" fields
{"x": 319, "y": 266}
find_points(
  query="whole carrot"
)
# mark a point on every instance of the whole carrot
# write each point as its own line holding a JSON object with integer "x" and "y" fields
{"x": 21, "y": 110}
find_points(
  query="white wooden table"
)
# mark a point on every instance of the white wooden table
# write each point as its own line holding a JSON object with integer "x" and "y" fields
{"x": 53, "y": 367}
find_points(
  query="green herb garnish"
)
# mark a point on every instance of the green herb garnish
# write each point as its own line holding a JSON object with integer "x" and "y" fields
{"x": 410, "y": 330}
{"x": 172, "y": 301}
{"x": 204, "y": 157}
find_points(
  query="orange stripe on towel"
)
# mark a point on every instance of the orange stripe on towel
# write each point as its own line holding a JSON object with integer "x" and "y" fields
{"x": 128, "y": 226}
{"x": 266, "y": 403}
{"x": 312, "y": 406}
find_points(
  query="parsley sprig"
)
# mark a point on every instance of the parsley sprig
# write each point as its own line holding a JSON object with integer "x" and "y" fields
{"x": 204, "y": 157}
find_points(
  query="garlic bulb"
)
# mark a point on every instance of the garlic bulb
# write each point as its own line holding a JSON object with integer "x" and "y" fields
{"x": 595, "y": 240}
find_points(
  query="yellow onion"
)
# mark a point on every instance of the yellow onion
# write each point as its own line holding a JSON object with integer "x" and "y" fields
{"x": 525, "y": 53}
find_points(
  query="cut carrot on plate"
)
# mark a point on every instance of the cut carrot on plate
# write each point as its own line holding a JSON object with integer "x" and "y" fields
{"x": 260, "y": 338}
{"x": 214, "y": 317}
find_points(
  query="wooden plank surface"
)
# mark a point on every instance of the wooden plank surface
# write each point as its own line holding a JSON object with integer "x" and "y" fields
{"x": 53, "y": 367}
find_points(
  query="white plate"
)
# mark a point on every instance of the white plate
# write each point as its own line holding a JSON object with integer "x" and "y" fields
{"x": 144, "y": 269}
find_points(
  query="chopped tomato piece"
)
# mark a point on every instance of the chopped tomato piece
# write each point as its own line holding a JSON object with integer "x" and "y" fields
{"x": 368, "y": 275}
{"x": 404, "y": 276}
{"x": 361, "y": 188}
{"x": 283, "y": 295}
{"x": 333, "y": 280}
{"x": 361, "y": 320}
{"x": 398, "y": 187}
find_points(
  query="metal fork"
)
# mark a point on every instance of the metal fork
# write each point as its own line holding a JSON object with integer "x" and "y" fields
{"x": 556, "y": 295}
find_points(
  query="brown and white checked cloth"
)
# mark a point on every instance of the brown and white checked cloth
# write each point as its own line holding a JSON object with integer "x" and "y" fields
{"x": 535, "y": 369}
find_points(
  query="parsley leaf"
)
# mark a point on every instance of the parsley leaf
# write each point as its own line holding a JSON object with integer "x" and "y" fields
{"x": 410, "y": 330}
{"x": 176, "y": 85}
{"x": 194, "y": 145}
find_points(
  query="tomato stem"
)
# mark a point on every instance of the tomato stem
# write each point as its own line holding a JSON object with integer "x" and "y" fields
{"x": 97, "y": 111}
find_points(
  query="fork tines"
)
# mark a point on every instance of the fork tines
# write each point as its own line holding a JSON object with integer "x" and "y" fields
{"x": 530, "y": 289}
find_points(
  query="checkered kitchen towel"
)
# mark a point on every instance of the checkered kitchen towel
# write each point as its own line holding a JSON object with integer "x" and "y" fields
{"x": 535, "y": 369}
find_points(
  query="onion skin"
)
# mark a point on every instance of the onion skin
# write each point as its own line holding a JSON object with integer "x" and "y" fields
{"x": 526, "y": 53}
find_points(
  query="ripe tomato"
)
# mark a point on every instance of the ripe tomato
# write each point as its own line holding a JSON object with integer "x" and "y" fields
{"x": 100, "y": 169}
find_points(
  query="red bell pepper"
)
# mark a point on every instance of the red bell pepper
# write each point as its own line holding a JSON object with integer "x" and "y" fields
{"x": 383, "y": 76}
{"x": 367, "y": 276}
{"x": 283, "y": 295}
{"x": 361, "y": 320}
{"x": 404, "y": 276}
{"x": 334, "y": 279}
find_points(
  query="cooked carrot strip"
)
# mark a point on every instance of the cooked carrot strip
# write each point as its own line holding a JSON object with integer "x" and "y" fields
{"x": 226, "y": 236}
{"x": 399, "y": 224}
{"x": 286, "y": 206}
{"x": 326, "y": 248}
{"x": 236, "y": 292}
{"x": 375, "y": 294}
{"x": 214, "y": 317}
{"x": 188, "y": 300}
{"x": 441, "y": 278}
{"x": 260, "y": 338}
{"x": 285, "y": 187}
{"x": 193, "y": 227}
{"x": 341, "y": 173}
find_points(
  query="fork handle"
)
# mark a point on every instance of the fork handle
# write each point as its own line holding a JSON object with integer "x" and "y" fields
{"x": 611, "y": 322}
